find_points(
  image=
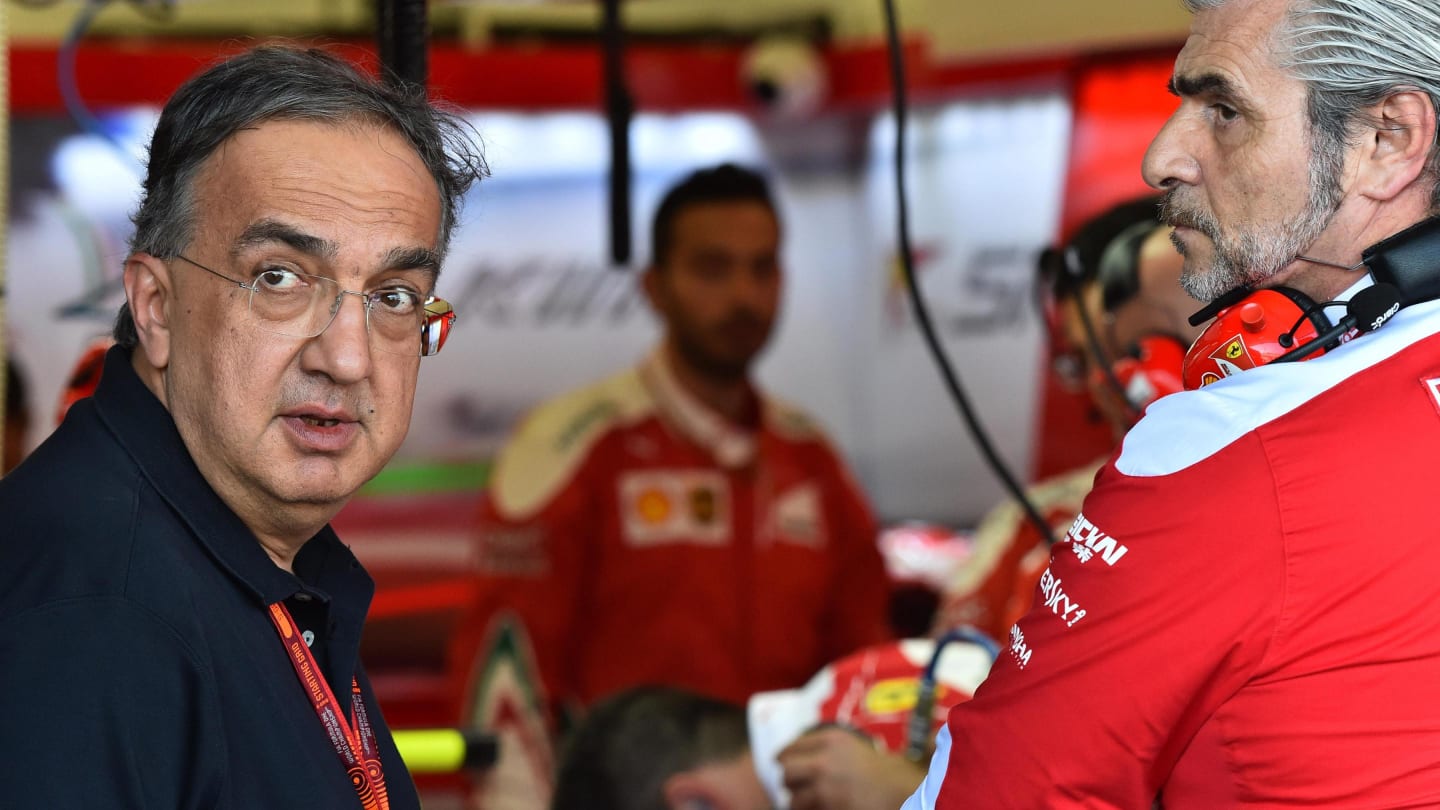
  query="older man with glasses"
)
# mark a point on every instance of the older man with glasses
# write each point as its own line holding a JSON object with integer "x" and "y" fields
{"x": 179, "y": 627}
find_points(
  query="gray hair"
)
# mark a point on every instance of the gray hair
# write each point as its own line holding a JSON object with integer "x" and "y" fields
{"x": 271, "y": 83}
{"x": 1351, "y": 55}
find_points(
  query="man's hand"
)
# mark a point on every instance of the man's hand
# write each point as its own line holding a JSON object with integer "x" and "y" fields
{"x": 835, "y": 769}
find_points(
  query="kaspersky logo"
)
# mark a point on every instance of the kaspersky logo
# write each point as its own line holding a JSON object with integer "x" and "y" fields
{"x": 1232, "y": 358}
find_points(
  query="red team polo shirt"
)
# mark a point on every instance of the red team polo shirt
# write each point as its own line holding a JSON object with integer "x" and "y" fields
{"x": 1247, "y": 612}
{"x": 639, "y": 538}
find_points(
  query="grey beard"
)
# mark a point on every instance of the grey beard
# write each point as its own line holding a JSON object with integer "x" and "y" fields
{"x": 1249, "y": 255}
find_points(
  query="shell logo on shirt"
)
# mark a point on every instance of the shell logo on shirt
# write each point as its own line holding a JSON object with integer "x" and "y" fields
{"x": 665, "y": 506}
{"x": 653, "y": 507}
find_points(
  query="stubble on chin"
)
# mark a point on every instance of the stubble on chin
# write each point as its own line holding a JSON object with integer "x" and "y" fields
{"x": 1208, "y": 281}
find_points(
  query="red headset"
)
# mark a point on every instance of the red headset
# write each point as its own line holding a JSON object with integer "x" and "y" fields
{"x": 1280, "y": 324}
{"x": 1150, "y": 368}
{"x": 1258, "y": 328}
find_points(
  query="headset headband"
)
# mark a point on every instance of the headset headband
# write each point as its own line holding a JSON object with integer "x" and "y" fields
{"x": 1119, "y": 271}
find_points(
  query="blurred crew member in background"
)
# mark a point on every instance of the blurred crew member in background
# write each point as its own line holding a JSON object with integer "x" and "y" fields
{"x": 1244, "y": 615}
{"x": 836, "y": 743}
{"x": 672, "y": 524}
{"x": 659, "y": 748}
{"x": 1121, "y": 268}
{"x": 179, "y": 627}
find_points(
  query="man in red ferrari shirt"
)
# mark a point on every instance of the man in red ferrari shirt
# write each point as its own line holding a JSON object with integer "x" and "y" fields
{"x": 672, "y": 524}
{"x": 1244, "y": 615}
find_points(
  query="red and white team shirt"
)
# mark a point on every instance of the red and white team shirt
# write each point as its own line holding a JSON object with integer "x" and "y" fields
{"x": 639, "y": 538}
{"x": 1246, "y": 613}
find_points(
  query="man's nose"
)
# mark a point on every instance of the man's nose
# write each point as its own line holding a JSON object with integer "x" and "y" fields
{"x": 1168, "y": 162}
{"x": 342, "y": 350}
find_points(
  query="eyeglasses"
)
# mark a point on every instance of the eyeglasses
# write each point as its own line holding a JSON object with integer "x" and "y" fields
{"x": 398, "y": 320}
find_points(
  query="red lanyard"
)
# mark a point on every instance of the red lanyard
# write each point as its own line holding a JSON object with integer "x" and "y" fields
{"x": 354, "y": 741}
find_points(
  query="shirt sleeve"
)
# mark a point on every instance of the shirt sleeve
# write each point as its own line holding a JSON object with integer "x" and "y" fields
{"x": 1160, "y": 601}
{"x": 531, "y": 562}
{"x": 857, "y": 615}
{"x": 104, "y": 706}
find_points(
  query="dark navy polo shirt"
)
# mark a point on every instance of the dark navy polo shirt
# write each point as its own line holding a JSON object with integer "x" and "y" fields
{"x": 139, "y": 667}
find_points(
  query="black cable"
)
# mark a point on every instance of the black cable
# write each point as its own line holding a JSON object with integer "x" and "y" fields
{"x": 65, "y": 71}
{"x": 1097, "y": 350}
{"x": 402, "y": 33}
{"x": 917, "y": 300}
{"x": 69, "y": 47}
{"x": 1287, "y": 339}
{"x": 65, "y": 79}
{"x": 619, "y": 108}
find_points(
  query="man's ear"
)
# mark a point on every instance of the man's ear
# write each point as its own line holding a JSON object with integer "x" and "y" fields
{"x": 148, "y": 293}
{"x": 688, "y": 790}
{"x": 1399, "y": 146}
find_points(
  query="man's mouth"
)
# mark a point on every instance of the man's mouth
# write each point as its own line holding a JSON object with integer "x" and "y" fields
{"x": 315, "y": 421}
{"x": 1177, "y": 214}
{"x": 321, "y": 430}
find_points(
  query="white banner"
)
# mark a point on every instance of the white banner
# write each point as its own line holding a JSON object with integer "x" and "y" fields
{"x": 985, "y": 188}
{"x": 541, "y": 311}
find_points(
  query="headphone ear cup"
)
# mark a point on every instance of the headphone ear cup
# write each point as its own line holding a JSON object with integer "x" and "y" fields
{"x": 1252, "y": 332}
{"x": 1152, "y": 370}
{"x": 1125, "y": 370}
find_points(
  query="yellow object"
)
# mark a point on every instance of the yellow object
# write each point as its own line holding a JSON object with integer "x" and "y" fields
{"x": 438, "y": 750}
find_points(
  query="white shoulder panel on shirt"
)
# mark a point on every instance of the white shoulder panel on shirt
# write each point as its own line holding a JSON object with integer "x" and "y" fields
{"x": 555, "y": 439}
{"x": 1186, "y": 428}
{"x": 790, "y": 422}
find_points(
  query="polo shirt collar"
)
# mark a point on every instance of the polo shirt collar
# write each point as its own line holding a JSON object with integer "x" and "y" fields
{"x": 147, "y": 432}
{"x": 731, "y": 445}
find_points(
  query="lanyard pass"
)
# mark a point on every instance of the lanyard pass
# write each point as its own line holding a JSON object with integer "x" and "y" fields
{"x": 354, "y": 740}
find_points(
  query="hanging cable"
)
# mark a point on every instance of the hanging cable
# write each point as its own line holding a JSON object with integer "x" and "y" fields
{"x": 619, "y": 109}
{"x": 917, "y": 299}
{"x": 69, "y": 84}
{"x": 402, "y": 35}
{"x": 65, "y": 70}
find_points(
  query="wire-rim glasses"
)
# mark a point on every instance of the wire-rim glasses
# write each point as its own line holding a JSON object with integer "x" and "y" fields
{"x": 294, "y": 304}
